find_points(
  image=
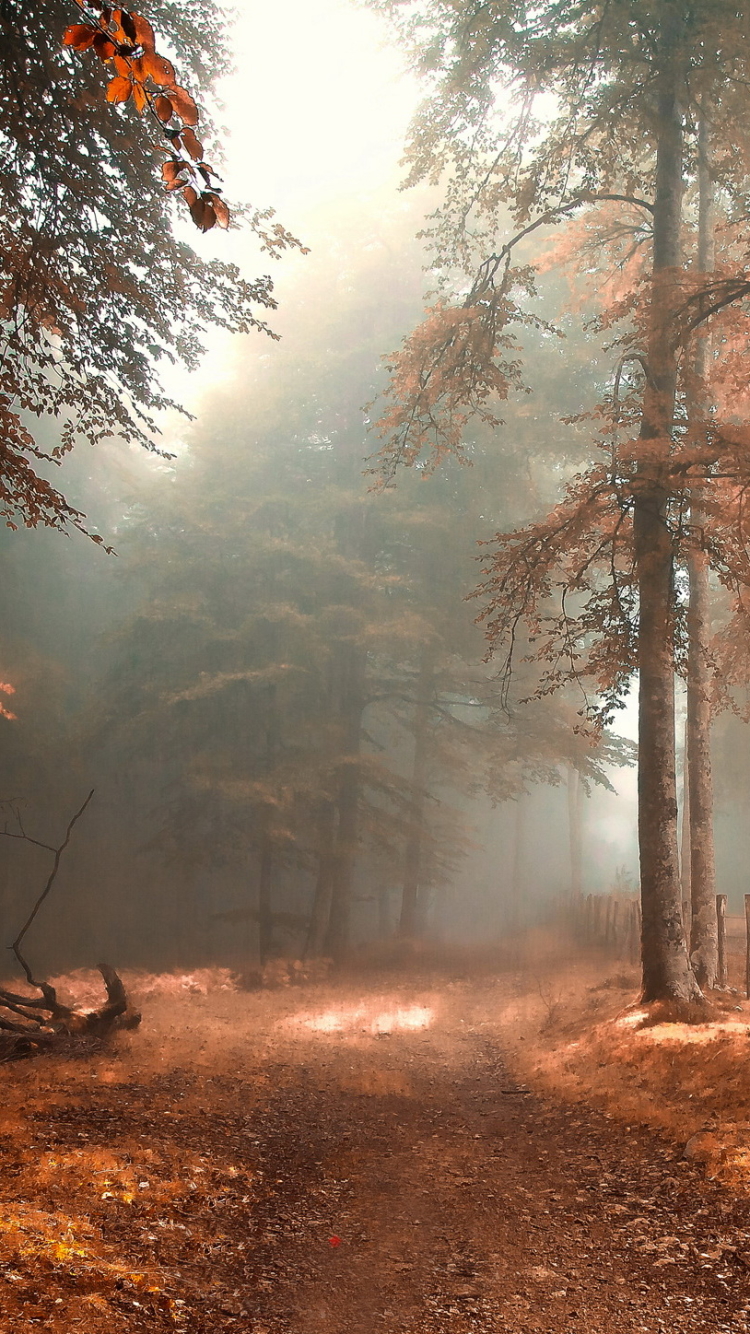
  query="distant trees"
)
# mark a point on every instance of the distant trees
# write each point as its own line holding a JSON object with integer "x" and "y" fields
{"x": 303, "y": 680}
{"x": 628, "y": 87}
{"x": 95, "y": 289}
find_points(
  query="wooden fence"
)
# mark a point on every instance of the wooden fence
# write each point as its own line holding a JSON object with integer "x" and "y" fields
{"x": 613, "y": 922}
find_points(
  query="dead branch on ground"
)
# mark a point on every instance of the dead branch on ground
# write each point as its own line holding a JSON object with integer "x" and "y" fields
{"x": 44, "y": 1023}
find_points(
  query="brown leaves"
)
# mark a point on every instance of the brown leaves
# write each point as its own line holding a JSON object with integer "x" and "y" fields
{"x": 127, "y": 40}
{"x": 221, "y": 209}
{"x": 202, "y": 213}
{"x": 184, "y": 105}
{"x": 163, "y": 108}
{"x": 191, "y": 144}
{"x": 144, "y": 33}
{"x": 171, "y": 172}
{"x": 207, "y": 209}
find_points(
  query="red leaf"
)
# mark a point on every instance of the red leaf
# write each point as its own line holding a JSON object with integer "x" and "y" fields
{"x": 79, "y": 35}
{"x": 191, "y": 144}
{"x": 184, "y": 105}
{"x": 160, "y": 70}
{"x": 119, "y": 89}
{"x": 163, "y": 108}
{"x": 144, "y": 33}
{"x": 190, "y": 195}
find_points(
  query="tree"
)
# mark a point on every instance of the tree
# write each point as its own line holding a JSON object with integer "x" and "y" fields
{"x": 699, "y": 805}
{"x": 595, "y": 580}
{"x": 296, "y": 705}
{"x": 95, "y": 289}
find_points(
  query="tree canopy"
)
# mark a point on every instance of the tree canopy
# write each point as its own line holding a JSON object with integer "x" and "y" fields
{"x": 96, "y": 288}
{"x": 534, "y": 115}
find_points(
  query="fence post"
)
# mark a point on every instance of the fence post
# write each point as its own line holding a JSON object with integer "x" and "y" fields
{"x": 721, "y": 922}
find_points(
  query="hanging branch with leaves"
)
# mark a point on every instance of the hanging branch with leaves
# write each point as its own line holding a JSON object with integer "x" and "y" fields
{"x": 126, "y": 45}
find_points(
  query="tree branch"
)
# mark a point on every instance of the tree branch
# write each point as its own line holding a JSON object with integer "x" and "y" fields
{"x": 16, "y": 946}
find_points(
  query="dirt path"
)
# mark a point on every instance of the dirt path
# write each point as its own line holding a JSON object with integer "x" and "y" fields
{"x": 206, "y": 1198}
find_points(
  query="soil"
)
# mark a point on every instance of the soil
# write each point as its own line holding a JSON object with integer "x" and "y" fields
{"x": 353, "y": 1158}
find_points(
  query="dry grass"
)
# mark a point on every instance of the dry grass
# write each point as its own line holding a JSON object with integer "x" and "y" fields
{"x": 685, "y": 1073}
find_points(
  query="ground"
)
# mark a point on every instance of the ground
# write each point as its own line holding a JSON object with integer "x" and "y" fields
{"x": 375, "y": 1154}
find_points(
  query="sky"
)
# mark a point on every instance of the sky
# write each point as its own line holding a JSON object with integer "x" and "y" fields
{"x": 320, "y": 105}
{"x": 316, "y": 112}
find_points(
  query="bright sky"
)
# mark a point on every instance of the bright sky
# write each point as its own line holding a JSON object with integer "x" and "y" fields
{"x": 319, "y": 104}
{"x": 317, "y": 110}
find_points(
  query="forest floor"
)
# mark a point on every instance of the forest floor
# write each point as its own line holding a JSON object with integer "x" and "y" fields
{"x": 428, "y": 1154}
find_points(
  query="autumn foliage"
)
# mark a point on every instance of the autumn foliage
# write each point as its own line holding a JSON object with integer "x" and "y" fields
{"x": 125, "y": 43}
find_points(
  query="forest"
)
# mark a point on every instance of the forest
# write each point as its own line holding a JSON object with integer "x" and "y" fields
{"x": 375, "y": 667}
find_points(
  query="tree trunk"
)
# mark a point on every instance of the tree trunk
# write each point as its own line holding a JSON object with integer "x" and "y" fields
{"x": 265, "y": 917}
{"x": 409, "y": 922}
{"x": 666, "y": 966}
{"x": 321, "y": 909}
{"x": 518, "y": 881}
{"x": 351, "y": 677}
{"x": 265, "y": 874}
{"x": 704, "y": 949}
{"x": 685, "y": 828}
{"x": 575, "y": 828}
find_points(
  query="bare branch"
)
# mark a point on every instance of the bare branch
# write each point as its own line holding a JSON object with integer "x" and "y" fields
{"x": 16, "y": 946}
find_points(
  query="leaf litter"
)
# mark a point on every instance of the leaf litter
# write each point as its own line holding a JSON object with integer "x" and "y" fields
{"x": 229, "y": 1168}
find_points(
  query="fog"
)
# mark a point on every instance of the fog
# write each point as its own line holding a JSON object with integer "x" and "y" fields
{"x": 276, "y": 686}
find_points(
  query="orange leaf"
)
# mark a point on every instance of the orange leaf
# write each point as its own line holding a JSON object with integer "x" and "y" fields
{"x": 119, "y": 89}
{"x": 105, "y": 49}
{"x": 161, "y": 71}
{"x": 163, "y": 108}
{"x": 191, "y": 144}
{"x": 191, "y": 195}
{"x": 79, "y": 36}
{"x": 144, "y": 33}
{"x": 221, "y": 209}
{"x": 124, "y": 19}
{"x": 140, "y": 97}
{"x": 122, "y": 66}
{"x": 184, "y": 105}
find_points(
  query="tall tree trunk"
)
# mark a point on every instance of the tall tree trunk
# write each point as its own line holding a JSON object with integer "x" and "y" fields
{"x": 518, "y": 874}
{"x": 266, "y": 866}
{"x": 666, "y": 966}
{"x": 352, "y": 660}
{"x": 704, "y": 941}
{"x": 265, "y": 897}
{"x": 321, "y": 909}
{"x": 409, "y": 921}
{"x": 685, "y": 827}
{"x": 575, "y": 829}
